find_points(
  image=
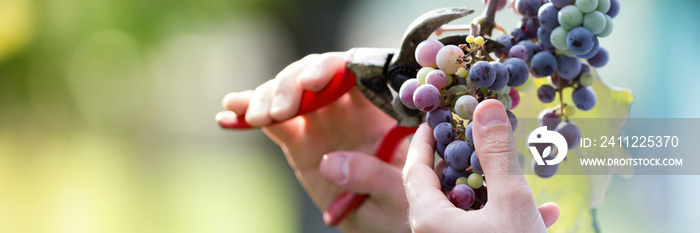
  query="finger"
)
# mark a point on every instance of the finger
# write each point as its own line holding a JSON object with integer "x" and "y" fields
{"x": 287, "y": 93}
{"x": 364, "y": 174}
{"x": 549, "y": 212}
{"x": 496, "y": 149}
{"x": 420, "y": 182}
{"x": 319, "y": 72}
{"x": 226, "y": 119}
{"x": 257, "y": 113}
{"x": 237, "y": 102}
{"x": 439, "y": 167}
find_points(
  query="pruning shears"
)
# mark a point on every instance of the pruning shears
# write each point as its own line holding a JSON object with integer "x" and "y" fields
{"x": 373, "y": 71}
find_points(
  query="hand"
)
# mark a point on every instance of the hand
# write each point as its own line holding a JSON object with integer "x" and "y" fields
{"x": 351, "y": 123}
{"x": 510, "y": 206}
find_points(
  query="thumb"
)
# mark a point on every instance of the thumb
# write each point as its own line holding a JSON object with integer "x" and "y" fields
{"x": 362, "y": 173}
{"x": 495, "y": 147}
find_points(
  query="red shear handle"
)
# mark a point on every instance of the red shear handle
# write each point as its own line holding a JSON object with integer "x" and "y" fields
{"x": 341, "y": 83}
{"x": 346, "y": 202}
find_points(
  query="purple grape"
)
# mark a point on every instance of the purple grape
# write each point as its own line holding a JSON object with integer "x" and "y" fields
{"x": 532, "y": 48}
{"x": 561, "y": 3}
{"x": 517, "y": 71}
{"x": 543, "y": 64}
{"x": 546, "y": 93}
{"x": 443, "y": 133}
{"x": 585, "y": 69}
{"x": 457, "y": 154}
{"x": 544, "y": 36}
{"x": 600, "y": 59}
{"x": 501, "y": 76}
{"x": 584, "y": 98}
{"x": 531, "y": 26}
{"x": 515, "y": 98}
{"x": 614, "y": 8}
{"x": 468, "y": 133}
{"x": 594, "y": 50}
{"x": 426, "y": 52}
{"x": 528, "y": 7}
{"x": 513, "y": 120}
{"x": 544, "y": 171}
{"x": 547, "y": 16}
{"x": 437, "y": 116}
{"x": 518, "y": 51}
{"x": 540, "y": 146}
{"x": 437, "y": 78}
{"x": 549, "y": 118}
{"x": 461, "y": 81}
{"x": 406, "y": 93}
{"x": 449, "y": 177}
{"x": 507, "y": 41}
{"x": 571, "y": 132}
{"x": 426, "y": 97}
{"x": 580, "y": 40}
{"x": 482, "y": 74}
{"x": 518, "y": 34}
{"x": 476, "y": 165}
{"x": 440, "y": 149}
{"x": 462, "y": 196}
{"x": 568, "y": 67}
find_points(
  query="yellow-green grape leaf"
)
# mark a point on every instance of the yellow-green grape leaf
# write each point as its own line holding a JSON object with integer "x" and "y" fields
{"x": 577, "y": 195}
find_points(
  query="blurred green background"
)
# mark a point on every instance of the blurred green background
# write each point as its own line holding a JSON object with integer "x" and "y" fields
{"x": 107, "y": 109}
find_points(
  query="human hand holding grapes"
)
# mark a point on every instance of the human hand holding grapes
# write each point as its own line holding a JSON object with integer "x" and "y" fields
{"x": 347, "y": 131}
{"x": 510, "y": 206}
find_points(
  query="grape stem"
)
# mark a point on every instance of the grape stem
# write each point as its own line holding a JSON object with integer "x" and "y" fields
{"x": 490, "y": 15}
{"x": 560, "y": 89}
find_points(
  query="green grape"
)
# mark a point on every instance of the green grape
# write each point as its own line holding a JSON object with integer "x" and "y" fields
{"x": 475, "y": 180}
{"x": 502, "y": 91}
{"x": 586, "y": 79}
{"x": 569, "y": 17}
{"x": 457, "y": 88}
{"x": 449, "y": 80}
{"x": 504, "y": 100}
{"x": 586, "y": 6}
{"x": 594, "y": 21}
{"x": 462, "y": 72}
{"x": 479, "y": 40}
{"x": 465, "y": 105}
{"x": 608, "y": 27}
{"x": 569, "y": 110}
{"x": 603, "y": 6}
{"x": 569, "y": 53}
{"x": 510, "y": 101}
{"x": 470, "y": 39}
{"x": 558, "y": 38}
{"x": 461, "y": 180}
{"x": 422, "y": 74}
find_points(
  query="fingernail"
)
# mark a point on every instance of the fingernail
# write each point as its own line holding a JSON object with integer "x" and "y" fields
{"x": 492, "y": 114}
{"x": 335, "y": 167}
{"x": 279, "y": 102}
{"x": 226, "y": 118}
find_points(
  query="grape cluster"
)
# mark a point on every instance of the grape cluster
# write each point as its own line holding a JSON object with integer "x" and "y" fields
{"x": 453, "y": 81}
{"x": 551, "y": 41}
{"x": 567, "y": 32}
